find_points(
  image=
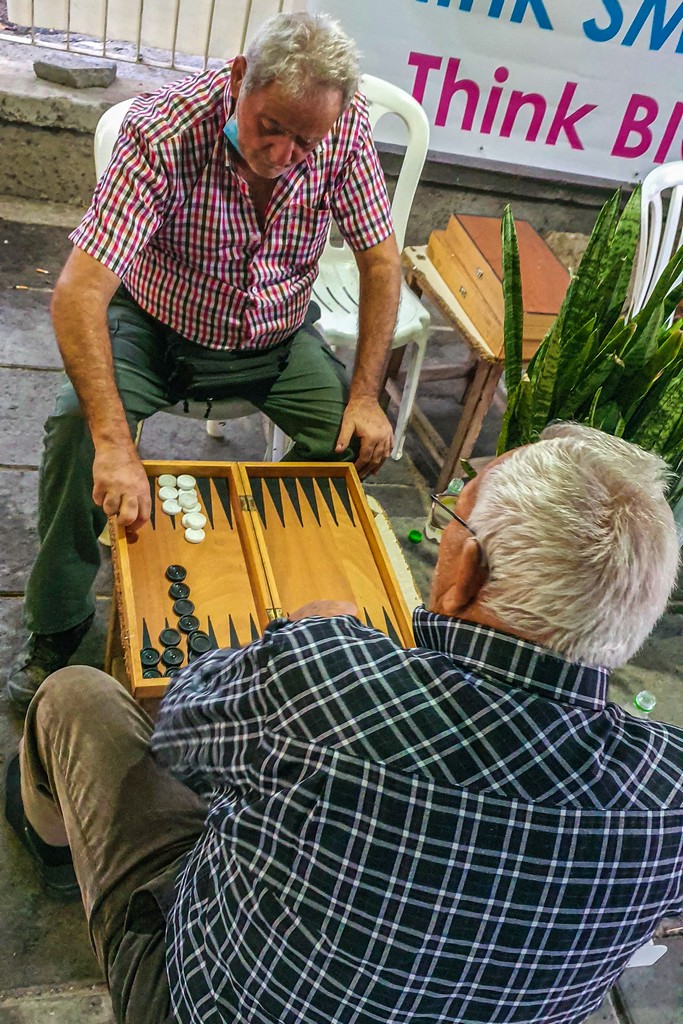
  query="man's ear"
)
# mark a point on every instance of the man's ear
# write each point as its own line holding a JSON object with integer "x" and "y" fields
{"x": 237, "y": 72}
{"x": 468, "y": 580}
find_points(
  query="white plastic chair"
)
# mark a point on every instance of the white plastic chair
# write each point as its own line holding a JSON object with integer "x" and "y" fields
{"x": 229, "y": 409}
{"x": 336, "y": 289}
{"x": 659, "y": 237}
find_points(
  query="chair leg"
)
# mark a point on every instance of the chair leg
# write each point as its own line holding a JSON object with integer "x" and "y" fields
{"x": 278, "y": 443}
{"x": 416, "y": 358}
{"x": 215, "y": 428}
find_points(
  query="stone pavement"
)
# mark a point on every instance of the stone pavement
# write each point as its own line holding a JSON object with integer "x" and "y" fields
{"x": 47, "y": 970}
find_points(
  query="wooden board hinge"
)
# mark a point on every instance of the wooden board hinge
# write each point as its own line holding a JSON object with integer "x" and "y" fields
{"x": 273, "y": 613}
{"x": 247, "y": 503}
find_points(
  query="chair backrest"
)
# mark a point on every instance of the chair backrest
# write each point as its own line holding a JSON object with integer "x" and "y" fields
{"x": 659, "y": 237}
{"x": 385, "y": 98}
{"x": 105, "y": 134}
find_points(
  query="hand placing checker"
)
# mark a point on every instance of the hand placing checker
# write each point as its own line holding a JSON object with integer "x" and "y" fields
{"x": 179, "y": 497}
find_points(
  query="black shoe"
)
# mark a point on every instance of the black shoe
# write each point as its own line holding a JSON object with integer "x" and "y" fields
{"x": 54, "y": 862}
{"x": 40, "y": 657}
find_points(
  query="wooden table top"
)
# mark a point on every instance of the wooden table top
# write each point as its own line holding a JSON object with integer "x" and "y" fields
{"x": 421, "y": 268}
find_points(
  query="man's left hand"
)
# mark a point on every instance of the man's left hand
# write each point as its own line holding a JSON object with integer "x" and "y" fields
{"x": 363, "y": 417}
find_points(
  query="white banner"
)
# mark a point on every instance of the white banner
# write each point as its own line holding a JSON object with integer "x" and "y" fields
{"x": 574, "y": 88}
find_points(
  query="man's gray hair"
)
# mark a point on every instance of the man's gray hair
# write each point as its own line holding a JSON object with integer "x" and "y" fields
{"x": 301, "y": 51}
{"x": 580, "y": 541}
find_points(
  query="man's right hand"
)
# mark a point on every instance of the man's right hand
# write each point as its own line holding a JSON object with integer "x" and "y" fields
{"x": 121, "y": 486}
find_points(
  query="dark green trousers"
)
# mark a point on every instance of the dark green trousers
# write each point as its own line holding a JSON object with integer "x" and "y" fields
{"x": 306, "y": 399}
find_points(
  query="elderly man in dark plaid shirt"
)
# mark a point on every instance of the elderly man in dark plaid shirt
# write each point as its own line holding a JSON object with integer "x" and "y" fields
{"x": 325, "y": 828}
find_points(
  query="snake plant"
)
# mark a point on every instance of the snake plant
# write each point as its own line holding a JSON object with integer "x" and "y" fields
{"x": 596, "y": 366}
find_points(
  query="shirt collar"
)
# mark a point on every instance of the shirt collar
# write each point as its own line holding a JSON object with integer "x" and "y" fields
{"x": 507, "y": 659}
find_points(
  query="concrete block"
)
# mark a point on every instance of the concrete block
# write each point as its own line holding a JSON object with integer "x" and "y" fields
{"x": 77, "y": 72}
{"x": 652, "y": 995}
{"x": 26, "y": 398}
{"x": 59, "y": 1004}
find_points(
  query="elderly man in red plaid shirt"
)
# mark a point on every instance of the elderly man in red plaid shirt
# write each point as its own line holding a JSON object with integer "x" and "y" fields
{"x": 191, "y": 277}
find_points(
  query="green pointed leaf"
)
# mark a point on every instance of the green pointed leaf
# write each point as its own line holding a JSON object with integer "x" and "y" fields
{"x": 525, "y": 412}
{"x": 613, "y": 384}
{"x": 619, "y": 260}
{"x": 644, "y": 407}
{"x": 574, "y": 355}
{"x": 672, "y": 451}
{"x": 585, "y": 388}
{"x": 655, "y": 428}
{"x": 513, "y": 324}
{"x": 591, "y": 268}
{"x": 609, "y": 419}
{"x": 544, "y": 385}
{"x": 590, "y": 419}
{"x": 508, "y": 428}
{"x": 645, "y": 340}
{"x": 610, "y": 347}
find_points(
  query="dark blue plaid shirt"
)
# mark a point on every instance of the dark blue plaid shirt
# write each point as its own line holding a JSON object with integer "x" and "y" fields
{"x": 461, "y": 832}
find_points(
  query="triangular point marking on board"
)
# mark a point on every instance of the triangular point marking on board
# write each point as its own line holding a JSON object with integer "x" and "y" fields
{"x": 391, "y": 630}
{"x": 306, "y": 484}
{"x": 326, "y": 491}
{"x": 342, "y": 490}
{"x": 222, "y": 487}
{"x": 234, "y": 639}
{"x": 257, "y": 494}
{"x": 146, "y": 641}
{"x": 273, "y": 486}
{"x": 204, "y": 488}
{"x": 212, "y": 634}
{"x": 153, "y": 495}
{"x": 289, "y": 483}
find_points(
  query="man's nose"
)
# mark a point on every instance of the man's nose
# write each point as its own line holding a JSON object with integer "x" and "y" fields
{"x": 284, "y": 152}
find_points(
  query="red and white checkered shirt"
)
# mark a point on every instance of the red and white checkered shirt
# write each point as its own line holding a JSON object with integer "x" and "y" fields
{"x": 172, "y": 218}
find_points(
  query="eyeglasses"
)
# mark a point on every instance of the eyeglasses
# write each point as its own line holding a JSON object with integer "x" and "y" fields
{"x": 440, "y": 521}
{"x": 441, "y": 516}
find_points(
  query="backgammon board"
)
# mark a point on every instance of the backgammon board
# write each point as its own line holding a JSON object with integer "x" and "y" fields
{"x": 277, "y": 535}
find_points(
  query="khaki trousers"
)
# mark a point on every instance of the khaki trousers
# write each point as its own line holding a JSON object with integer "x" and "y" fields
{"x": 89, "y": 779}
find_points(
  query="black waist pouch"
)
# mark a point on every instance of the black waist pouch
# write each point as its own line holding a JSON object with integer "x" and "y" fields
{"x": 205, "y": 374}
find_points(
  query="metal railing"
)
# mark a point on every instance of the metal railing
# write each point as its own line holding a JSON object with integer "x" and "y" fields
{"x": 178, "y": 34}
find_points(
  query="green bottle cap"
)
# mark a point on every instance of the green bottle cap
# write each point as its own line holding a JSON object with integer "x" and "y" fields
{"x": 645, "y": 701}
{"x": 414, "y": 536}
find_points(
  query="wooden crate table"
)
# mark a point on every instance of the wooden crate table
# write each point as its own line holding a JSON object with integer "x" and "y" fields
{"x": 278, "y": 536}
{"x": 460, "y": 272}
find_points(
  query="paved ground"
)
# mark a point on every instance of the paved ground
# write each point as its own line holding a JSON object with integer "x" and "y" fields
{"x": 47, "y": 970}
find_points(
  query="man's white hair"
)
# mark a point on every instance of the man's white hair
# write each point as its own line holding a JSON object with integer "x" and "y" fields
{"x": 302, "y": 51}
{"x": 580, "y": 541}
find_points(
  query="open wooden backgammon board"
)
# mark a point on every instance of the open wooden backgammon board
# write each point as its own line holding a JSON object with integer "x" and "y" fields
{"x": 277, "y": 535}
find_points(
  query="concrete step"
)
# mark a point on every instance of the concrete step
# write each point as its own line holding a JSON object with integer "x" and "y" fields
{"x": 56, "y": 1004}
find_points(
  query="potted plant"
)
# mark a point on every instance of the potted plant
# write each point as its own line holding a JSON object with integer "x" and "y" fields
{"x": 595, "y": 365}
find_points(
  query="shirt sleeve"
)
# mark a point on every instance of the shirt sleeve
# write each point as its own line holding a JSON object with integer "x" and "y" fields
{"x": 212, "y": 717}
{"x": 360, "y": 206}
{"x": 131, "y": 201}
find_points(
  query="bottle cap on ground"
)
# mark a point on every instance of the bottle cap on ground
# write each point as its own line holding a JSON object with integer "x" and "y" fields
{"x": 645, "y": 701}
